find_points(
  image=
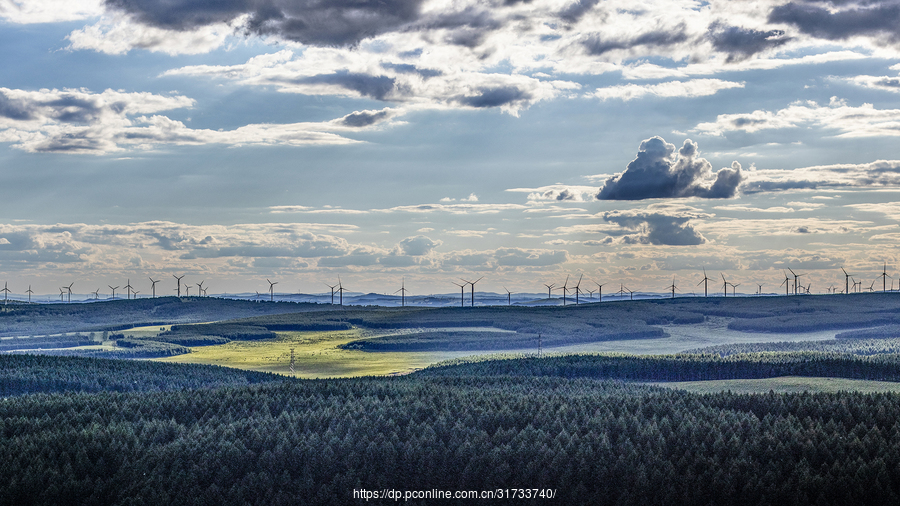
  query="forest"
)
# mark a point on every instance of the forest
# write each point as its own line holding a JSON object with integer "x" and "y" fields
{"x": 91, "y": 430}
{"x": 220, "y": 437}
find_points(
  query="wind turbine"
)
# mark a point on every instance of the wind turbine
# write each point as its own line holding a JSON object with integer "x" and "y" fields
{"x": 6, "y": 292}
{"x": 473, "y": 288}
{"x": 759, "y": 291}
{"x": 178, "y": 278}
{"x": 153, "y": 286}
{"x": 673, "y": 287}
{"x": 95, "y": 292}
{"x": 69, "y": 290}
{"x": 113, "y": 288}
{"x": 705, "y": 282}
{"x": 129, "y": 288}
{"x": 340, "y": 292}
{"x": 402, "y": 291}
{"x": 462, "y": 294}
{"x": 724, "y": 285}
{"x": 884, "y": 276}
{"x": 62, "y": 294}
{"x": 272, "y": 290}
{"x": 564, "y": 288}
{"x": 135, "y": 292}
{"x": 187, "y": 290}
{"x": 846, "y": 281}
{"x": 332, "y": 292}
{"x": 30, "y": 291}
{"x": 578, "y": 289}
{"x": 200, "y": 288}
{"x": 549, "y": 287}
{"x": 600, "y": 290}
{"x": 508, "y": 297}
{"x": 734, "y": 289}
{"x": 872, "y": 286}
{"x": 786, "y": 283}
{"x": 796, "y": 277}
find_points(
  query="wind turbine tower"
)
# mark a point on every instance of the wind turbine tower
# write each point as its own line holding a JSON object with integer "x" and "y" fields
{"x": 6, "y": 292}
{"x": 462, "y": 294}
{"x": 549, "y": 287}
{"x": 178, "y": 279}
{"x": 673, "y": 287}
{"x": 884, "y": 276}
{"x": 95, "y": 292}
{"x": 340, "y": 292}
{"x": 578, "y": 289}
{"x": 30, "y": 291}
{"x": 600, "y": 290}
{"x": 472, "y": 303}
{"x": 200, "y": 288}
{"x": 129, "y": 288}
{"x": 153, "y": 286}
{"x": 113, "y": 288}
{"x": 705, "y": 281}
{"x": 69, "y": 290}
{"x": 402, "y": 291}
{"x": 272, "y": 290}
{"x": 508, "y": 297}
{"x": 332, "y": 292}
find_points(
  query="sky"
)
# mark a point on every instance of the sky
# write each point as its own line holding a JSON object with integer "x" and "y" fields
{"x": 420, "y": 142}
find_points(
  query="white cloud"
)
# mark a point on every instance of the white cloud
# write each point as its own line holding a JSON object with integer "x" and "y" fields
{"x": 846, "y": 121}
{"x": 689, "y": 89}
{"x": 48, "y": 11}
{"x": 118, "y": 35}
{"x": 79, "y": 121}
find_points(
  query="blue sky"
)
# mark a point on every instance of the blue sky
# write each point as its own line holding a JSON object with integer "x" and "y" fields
{"x": 631, "y": 142}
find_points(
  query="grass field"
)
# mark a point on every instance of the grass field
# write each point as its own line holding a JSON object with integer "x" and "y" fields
{"x": 787, "y": 384}
{"x": 315, "y": 356}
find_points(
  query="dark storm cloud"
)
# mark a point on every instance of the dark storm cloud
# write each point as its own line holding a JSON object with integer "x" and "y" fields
{"x": 377, "y": 87}
{"x": 656, "y": 228}
{"x": 362, "y": 119}
{"x": 596, "y": 45}
{"x": 574, "y": 11}
{"x": 71, "y": 109}
{"x": 889, "y": 82}
{"x": 566, "y": 195}
{"x": 14, "y": 109}
{"x": 825, "y": 20}
{"x": 658, "y": 172}
{"x": 495, "y": 97}
{"x": 741, "y": 43}
{"x": 315, "y": 22}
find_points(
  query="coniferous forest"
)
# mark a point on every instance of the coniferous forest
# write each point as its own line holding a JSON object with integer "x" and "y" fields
{"x": 122, "y": 432}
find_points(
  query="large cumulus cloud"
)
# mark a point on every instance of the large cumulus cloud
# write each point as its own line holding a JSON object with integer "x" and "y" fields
{"x": 659, "y": 171}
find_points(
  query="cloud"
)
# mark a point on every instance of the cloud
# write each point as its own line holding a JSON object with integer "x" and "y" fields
{"x": 657, "y": 226}
{"x": 332, "y": 23}
{"x": 80, "y": 121}
{"x": 117, "y": 35}
{"x": 658, "y": 172}
{"x": 690, "y": 89}
{"x": 48, "y": 11}
{"x": 418, "y": 245}
{"x": 741, "y": 43}
{"x": 880, "y": 173}
{"x": 558, "y": 193}
{"x": 847, "y": 121}
{"x": 359, "y": 119}
{"x": 598, "y": 45}
{"x": 884, "y": 83}
{"x": 840, "y": 19}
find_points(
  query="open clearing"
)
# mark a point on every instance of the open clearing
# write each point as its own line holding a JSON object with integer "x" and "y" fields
{"x": 787, "y": 384}
{"x": 316, "y": 355}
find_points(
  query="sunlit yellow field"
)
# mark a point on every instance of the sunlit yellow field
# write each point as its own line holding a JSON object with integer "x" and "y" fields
{"x": 316, "y": 355}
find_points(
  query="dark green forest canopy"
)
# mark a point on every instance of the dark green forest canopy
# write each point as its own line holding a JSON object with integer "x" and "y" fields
{"x": 319, "y": 440}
